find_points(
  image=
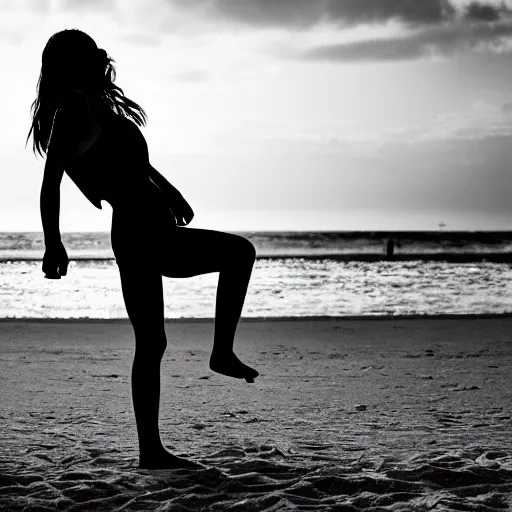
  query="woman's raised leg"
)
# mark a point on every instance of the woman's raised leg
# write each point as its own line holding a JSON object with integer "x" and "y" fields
{"x": 189, "y": 252}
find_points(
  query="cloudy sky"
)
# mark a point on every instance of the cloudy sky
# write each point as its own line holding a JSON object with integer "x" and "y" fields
{"x": 287, "y": 114}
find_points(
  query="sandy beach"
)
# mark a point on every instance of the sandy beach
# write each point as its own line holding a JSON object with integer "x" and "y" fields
{"x": 347, "y": 414}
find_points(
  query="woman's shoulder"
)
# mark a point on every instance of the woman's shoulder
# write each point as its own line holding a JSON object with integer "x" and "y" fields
{"x": 70, "y": 118}
{"x": 76, "y": 111}
{"x": 73, "y": 112}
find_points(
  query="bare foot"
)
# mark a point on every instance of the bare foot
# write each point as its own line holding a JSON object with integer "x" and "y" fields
{"x": 166, "y": 460}
{"x": 228, "y": 364}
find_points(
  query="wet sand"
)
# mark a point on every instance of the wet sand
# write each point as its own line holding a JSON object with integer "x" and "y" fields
{"x": 350, "y": 414}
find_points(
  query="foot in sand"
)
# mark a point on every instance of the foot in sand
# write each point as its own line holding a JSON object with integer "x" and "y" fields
{"x": 228, "y": 364}
{"x": 166, "y": 460}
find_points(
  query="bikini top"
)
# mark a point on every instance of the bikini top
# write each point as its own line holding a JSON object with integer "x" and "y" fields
{"x": 116, "y": 164}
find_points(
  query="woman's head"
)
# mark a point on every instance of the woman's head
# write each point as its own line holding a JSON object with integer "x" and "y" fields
{"x": 72, "y": 60}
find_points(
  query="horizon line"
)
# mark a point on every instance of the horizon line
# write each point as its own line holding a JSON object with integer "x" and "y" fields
{"x": 304, "y": 231}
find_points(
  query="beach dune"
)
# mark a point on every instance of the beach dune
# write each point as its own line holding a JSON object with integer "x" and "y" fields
{"x": 347, "y": 414}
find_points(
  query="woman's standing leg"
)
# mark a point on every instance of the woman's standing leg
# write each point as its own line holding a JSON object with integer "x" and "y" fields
{"x": 142, "y": 291}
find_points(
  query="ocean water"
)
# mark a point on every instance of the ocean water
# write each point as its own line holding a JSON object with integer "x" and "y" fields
{"x": 96, "y": 245}
{"x": 293, "y": 285}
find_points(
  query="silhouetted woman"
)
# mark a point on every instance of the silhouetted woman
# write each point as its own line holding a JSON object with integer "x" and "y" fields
{"x": 88, "y": 128}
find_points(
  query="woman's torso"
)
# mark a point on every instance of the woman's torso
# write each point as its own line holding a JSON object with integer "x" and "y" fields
{"x": 110, "y": 160}
{"x": 111, "y": 163}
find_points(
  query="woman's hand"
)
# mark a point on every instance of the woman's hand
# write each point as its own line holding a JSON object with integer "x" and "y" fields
{"x": 55, "y": 260}
{"x": 181, "y": 210}
{"x": 172, "y": 198}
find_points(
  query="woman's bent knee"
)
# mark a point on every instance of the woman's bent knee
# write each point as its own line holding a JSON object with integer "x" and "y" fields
{"x": 246, "y": 249}
{"x": 240, "y": 253}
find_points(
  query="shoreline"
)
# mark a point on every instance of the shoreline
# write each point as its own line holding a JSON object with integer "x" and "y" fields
{"x": 260, "y": 319}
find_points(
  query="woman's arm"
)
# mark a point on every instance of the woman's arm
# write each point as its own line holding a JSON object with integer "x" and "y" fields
{"x": 49, "y": 201}
{"x": 50, "y": 210}
{"x": 55, "y": 260}
{"x": 168, "y": 189}
{"x": 68, "y": 123}
{"x": 181, "y": 210}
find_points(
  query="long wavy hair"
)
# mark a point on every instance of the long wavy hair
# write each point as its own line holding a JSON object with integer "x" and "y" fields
{"x": 72, "y": 60}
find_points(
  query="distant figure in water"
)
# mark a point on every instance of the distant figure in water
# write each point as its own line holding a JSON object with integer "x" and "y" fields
{"x": 87, "y": 127}
{"x": 390, "y": 248}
